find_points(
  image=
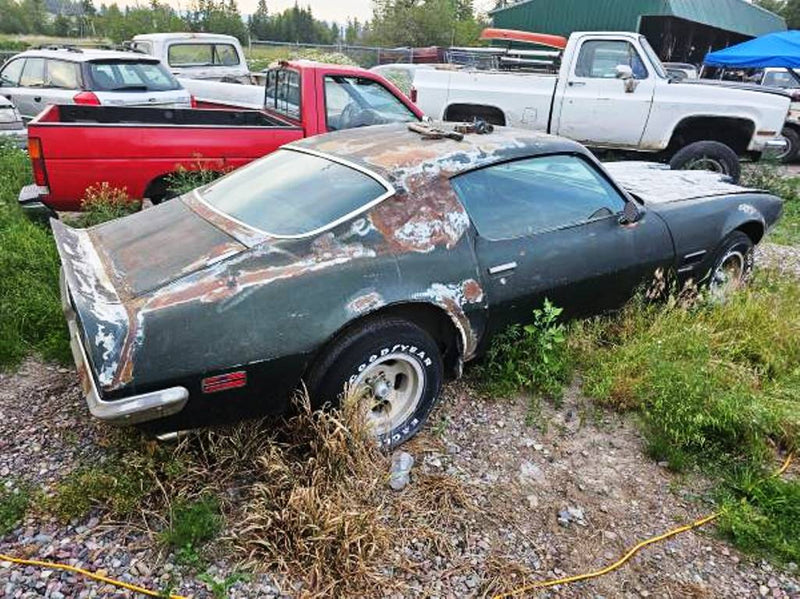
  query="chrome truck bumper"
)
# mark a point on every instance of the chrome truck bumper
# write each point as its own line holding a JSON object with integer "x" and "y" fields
{"x": 776, "y": 144}
{"x": 128, "y": 410}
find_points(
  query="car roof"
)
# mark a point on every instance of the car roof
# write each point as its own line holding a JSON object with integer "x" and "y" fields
{"x": 86, "y": 55}
{"x": 407, "y": 160}
{"x": 182, "y": 36}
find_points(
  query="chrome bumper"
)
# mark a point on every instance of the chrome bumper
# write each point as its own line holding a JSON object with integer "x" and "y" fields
{"x": 129, "y": 410}
{"x": 775, "y": 145}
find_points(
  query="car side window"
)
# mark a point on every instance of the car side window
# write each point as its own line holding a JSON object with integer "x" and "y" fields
{"x": 529, "y": 196}
{"x": 9, "y": 76}
{"x": 598, "y": 59}
{"x": 33, "y": 73}
{"x": 62, "y": 75}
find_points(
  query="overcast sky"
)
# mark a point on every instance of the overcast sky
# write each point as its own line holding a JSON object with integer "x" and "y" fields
{"x": 327, "y": 10}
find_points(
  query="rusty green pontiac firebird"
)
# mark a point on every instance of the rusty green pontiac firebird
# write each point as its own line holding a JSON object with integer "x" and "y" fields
{"x": 377, "y": 259}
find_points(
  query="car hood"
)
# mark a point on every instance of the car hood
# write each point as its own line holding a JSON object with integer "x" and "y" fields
{"x": 657, "y": 184}
{"x": 152, "y": 248}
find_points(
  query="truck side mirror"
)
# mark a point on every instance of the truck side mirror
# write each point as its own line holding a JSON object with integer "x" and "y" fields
{"x": 623, "y": 72}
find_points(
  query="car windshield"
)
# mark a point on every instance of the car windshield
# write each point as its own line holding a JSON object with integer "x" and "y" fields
{"x": 127, "y": 75}
{"x": 654, "y": 59}
{"x": 290, "y": 193}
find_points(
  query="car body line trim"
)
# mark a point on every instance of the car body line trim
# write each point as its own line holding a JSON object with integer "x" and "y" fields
{"x": 390, "y": 191}
{"x": 500, "y": 268}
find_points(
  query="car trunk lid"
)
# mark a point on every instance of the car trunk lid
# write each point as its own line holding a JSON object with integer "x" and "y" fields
{"x": 154, "y": 247}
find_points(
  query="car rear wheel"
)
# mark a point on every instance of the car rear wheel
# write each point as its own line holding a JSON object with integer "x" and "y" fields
{"x": 708, "y": 156}
{"x": 733, "y": 266}
{"x": 792, "y": 149}
{"x": 391, "y": 367}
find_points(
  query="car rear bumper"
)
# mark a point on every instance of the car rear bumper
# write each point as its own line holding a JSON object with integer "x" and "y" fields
{"x": 128, "y": 410}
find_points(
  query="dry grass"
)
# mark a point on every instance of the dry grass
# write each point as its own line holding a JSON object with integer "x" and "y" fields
{"x": 307, "y": 497}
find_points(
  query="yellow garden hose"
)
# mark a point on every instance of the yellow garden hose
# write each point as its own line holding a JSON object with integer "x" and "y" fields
{"x": 624, "y": 559}
{"x": 86, "y": 573}
{"x": 536, "y": 585}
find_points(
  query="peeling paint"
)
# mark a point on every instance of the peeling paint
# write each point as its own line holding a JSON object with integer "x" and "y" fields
{"x": 365, "y": 303}
{"x": 453, "y": 297}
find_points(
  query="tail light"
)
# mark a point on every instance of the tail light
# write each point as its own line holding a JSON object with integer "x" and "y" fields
{"x": 37, "y": 161}
{"x": 86, "y": 99}
{"x": 414, "y": 95}
{"x": 193, "y": 100}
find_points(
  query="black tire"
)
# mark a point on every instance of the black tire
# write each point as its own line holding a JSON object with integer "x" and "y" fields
{"x": 364, "y": 346}
{"x": 792, "y": 137}
{"x": 736, "y": 243}
{"x": 716, "y": 155}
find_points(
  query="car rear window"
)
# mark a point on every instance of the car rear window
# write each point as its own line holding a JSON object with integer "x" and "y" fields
{"x": 202, "y": 55}
{"x": 291, "y": 193}
{"x": 283, "y": 92}
{"x": 127, "y": 75}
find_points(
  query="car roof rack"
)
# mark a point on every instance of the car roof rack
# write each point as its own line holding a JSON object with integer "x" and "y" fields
{"x": 68, "y": 48}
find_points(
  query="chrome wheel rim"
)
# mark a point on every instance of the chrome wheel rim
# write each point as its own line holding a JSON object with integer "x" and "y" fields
{"x": 728, "y": 275}
{"x": 706, "y": 163}
{"x": 782, "y": 154}
{"x": 389, "y": 390}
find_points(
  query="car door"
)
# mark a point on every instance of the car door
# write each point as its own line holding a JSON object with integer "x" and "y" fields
{"x": 599, "y": 109}
{"x": 549, "y": 227}
{"x": 29, "y": 93}
{"x": 9, "y": 80}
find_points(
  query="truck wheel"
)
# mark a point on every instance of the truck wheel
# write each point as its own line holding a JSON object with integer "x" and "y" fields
{"x": 392, "y": 367}
{"x": 708, "y": 156}
{"x": 792, "y": 138}
{"x": 733, "y": 265}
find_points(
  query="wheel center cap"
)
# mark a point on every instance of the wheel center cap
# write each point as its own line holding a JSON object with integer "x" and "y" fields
{"x": 380, "y": 389}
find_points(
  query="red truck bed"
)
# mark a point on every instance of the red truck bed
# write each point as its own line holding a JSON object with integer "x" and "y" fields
{"x": 137, "y": 148}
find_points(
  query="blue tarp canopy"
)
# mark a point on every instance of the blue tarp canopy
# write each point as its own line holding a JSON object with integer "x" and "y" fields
{"x": 781, "y": 49}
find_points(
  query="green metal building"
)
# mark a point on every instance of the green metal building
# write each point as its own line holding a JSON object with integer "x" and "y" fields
{"x": 679, "y": 30}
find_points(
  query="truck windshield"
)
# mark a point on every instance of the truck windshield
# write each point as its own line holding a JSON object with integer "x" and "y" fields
{"x": 358, "y": 102}
{"x": 291, "y": 193}
{"x": 654, "y": 59}
{"x": 127, "y": 75}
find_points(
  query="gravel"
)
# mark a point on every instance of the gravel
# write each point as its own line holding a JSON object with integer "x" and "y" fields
{"x": 584, "y": 468}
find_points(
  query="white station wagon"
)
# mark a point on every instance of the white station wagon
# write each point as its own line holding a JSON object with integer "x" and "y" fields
{"x": 69, "y": 75}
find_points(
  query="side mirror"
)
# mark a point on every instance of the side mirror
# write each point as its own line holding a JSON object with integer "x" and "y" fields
{"x": 632, "y": 213}
{"x": 623, "y": 72}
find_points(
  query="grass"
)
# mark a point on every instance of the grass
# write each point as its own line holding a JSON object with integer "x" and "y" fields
{"x": 768, "y": 176}
{"x": 13, "y": 506}
{"x": 717, "y": 387}
{"x": 192, "y": 524}
{"x": 30, "y": 311}
{"x": 533, "y": 359}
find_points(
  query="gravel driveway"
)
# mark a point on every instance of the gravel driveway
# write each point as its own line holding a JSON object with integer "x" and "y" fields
{"x": 587, "y": 467}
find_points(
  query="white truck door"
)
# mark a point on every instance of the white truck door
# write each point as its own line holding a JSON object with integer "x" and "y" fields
{"x": 597, "y": 107}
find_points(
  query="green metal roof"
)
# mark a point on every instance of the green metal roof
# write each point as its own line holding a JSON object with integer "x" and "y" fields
{"x": 562, "y": 17}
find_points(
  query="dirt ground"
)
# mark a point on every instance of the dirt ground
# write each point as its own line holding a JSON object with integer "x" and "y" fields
{"x": 518, "y": 477}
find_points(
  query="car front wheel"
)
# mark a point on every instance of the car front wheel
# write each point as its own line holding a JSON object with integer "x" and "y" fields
{"x": 733, "y": 265}
{"x": 391, "y": 367}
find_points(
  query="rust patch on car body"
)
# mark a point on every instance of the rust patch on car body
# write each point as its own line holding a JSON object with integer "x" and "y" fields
{"x": 453, "y": 297}
{"x": 365, "y": 303}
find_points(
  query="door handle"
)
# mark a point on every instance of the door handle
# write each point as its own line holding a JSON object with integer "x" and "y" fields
{"x": 37, "y": 98}
{"x": 576, "y": 83}
{"x": 496, "y": 270}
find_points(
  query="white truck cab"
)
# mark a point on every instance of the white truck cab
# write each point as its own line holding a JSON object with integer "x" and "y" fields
{"x": 196, "y": 55}
{"x": 609, "y": 90}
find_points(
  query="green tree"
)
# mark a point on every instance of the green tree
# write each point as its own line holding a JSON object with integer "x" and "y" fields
{"x": 258, "y": 23}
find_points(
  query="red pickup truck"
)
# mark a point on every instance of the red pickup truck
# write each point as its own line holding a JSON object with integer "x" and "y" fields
{"x": 74, "y": 147}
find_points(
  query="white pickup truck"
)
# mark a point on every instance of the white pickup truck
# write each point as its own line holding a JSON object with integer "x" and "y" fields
{"x": 207, "y": 56}
{"x": 612, "y": 92}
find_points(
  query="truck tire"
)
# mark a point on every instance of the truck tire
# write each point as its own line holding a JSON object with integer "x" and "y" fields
{"x": 792, "y": 137}
{"x": 395, "y": 364}
{"x": 708, "y": 156}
